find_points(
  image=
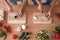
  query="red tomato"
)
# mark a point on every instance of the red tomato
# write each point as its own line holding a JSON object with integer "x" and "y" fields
{"x": 57, "y": 35}
{"x": 1, "y": 24}
{"x": 14, "y": 36}
{"x": 8, "y": 29}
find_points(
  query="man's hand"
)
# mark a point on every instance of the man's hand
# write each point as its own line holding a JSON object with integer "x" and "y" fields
{"x": 40, "y": 8}
{"x": 48, "y": 15}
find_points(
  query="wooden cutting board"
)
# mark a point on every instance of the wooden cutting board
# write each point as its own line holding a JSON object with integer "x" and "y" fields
{"x": 13, "y": 20}
{"x": 1, "y": 14}
{"x": 40, "y": 19}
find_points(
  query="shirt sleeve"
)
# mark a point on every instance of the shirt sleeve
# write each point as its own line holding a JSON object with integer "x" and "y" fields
{"x": 14, "y": 2}
{"x": 34, "y": 1}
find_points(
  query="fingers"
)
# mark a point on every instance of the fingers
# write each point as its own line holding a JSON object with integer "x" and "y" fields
{"x": 49, "y": 15}
{"x": 20, "y": 13}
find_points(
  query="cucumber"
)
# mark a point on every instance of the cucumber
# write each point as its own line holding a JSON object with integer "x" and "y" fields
{"x": 29, "y": 33}
{"x": 25, "y": 36}
{"x": 22, "y": 35}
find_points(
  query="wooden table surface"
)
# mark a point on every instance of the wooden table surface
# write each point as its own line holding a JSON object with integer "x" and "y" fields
{"x": 34, "y": 28}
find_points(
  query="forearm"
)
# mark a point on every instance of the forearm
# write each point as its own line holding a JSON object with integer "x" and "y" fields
{"x": 23, "y": 6}
{"x": 38, "y": 2}
{"x": 52, "y": 5}
{"x": 6, "y": 3}
{"x": 39, "y": 5}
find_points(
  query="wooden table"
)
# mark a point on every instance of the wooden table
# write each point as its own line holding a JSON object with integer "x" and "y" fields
{"x": 34, "y": 28}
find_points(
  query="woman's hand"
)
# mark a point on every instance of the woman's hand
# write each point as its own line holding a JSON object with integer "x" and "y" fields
{"x": 20, "y": 12}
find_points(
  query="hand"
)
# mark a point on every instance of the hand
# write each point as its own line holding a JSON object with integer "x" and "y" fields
{"x": 48, "y": 15}
{"x": 40, "y": 8}
{"x": 20, "y": 12}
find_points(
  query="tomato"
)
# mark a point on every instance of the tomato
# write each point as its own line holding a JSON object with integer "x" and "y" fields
{"x": 1, "y": 24}
{"x": 14, "y": 36}
{"x": 57, "y": 35}
{"x": 8, "y": 29}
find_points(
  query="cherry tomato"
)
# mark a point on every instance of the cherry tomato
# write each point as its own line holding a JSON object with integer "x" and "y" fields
{"x": 8, "y": 29}
{"x": 14, "y": 36}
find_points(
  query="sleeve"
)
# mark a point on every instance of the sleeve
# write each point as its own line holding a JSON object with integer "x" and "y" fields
{"x": 34, "y": 1}
{"x": 12, "y": 1}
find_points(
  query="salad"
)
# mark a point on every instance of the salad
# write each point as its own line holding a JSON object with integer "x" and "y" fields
{"x": 42, "y": 35}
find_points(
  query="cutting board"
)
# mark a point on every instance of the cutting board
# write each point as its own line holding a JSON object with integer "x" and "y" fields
{"x": 13, "y": 20}
{"x": 1, "y": 15}
{"x": 41, "y": 19}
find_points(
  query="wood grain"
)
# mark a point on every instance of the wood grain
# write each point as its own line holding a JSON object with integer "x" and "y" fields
{"x": 34, "y": 28}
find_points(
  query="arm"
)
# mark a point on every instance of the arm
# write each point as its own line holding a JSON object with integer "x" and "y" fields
{"x": 23, "y": 6}
{"x": 38, "y": 2}
{"x": 39, "y": 5}
{"x": 51, "y": 8}
{"x": 8, "y": 5}
{"x": 52, "y": 5}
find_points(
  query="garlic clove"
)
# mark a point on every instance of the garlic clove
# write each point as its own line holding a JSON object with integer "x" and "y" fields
{"x": 18, "y": 29}
{"x": 23, "y": 27}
